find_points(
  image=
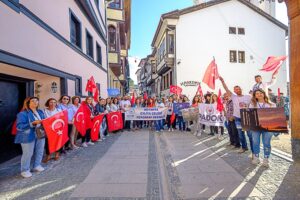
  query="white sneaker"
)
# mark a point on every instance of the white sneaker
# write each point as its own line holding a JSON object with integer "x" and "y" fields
{"x": 91, "y": 143}
{"x": 255, "y": 160}
{"x": 156, "y": 131}
{"x": 39, "y": 169}
{"x": 169, "y": 129}
{"x": 265, "y": 162}
{"x": 26, "y": 174}
{"x": 172, "y": 129}
{"x": 84, "y": 144}
{"x": 99, "y": 140}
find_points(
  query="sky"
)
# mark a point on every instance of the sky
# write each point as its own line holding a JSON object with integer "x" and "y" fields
{"x": 145, "y": 15}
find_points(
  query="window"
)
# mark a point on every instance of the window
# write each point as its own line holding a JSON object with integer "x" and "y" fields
{"x": 78, "y": 88}
{"x": 112, "y": 38}
{"x": 89, "y": 45}
{"x": 115, "y": 4}
{"x": 167, "y": 81}
{"x": 232, "y": 55}
{"x": 241, "y": 31}
{"x": 171, "y": 44}
{"x": 122, "y": 35}
{"x": 171, "y": 78}
{"x": 241, "y": 56}
{"x": 99, "y": 54}
{"x": 75, "y": 30}
{"x": 232, "y": 30}
{"x": 161, "y": 51}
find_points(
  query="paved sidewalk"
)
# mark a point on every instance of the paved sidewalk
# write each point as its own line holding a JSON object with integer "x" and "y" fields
{"x": 121, "y": 172}
{"x": 202, "y": 174}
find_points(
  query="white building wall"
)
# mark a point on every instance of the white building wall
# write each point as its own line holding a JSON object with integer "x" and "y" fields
{"x": 205, "y": 33}
{"x": 35, "y": 43}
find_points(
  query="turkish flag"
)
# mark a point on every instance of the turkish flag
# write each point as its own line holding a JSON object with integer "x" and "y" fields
{"x": 97, "y": 121}
{"x": 56, "y": 128}
{"x": 96, "y": 95}
{"x": 175, "y": 89}
{"x": 211, "y": 75}
{"x": 79, "y": 120}
{"x": 91, "y": 85}
{"x": 133, "y": 99}
{"x": 114, "y": 121}
{"x": 145, "y": 97}
{"x": 172, "y": 118}
{"x": 273, "y": 63}
{"x": 220, "y": 106}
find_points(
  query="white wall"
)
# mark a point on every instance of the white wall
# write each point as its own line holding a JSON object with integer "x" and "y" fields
{"x": 23, "y": 37}
{"x": 204, "y": 34}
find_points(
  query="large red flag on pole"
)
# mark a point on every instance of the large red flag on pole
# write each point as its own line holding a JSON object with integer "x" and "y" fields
{"x": 56, "y": 128}
{"x": 79, "y": 121}
{"x": 114, "y": 121}
{"x": 91, "y": 85}
{"x": 273, "y": 64}
{"x": 211, "y": 75}
{"x": 97, "y": 121}
{"x": 174, "y": 89}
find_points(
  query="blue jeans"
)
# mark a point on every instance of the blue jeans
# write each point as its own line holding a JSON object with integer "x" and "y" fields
{"x": 242, "y": 135}
{"x": 37, "y": 148}
{"x": 181, "y": 123}
{"x": 266, "y": 140}
{"x": 159, "y": 125}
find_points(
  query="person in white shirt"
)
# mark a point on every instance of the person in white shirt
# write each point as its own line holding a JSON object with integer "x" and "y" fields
{"x": 239, "y": 101}
{"x": 49, "y": 111}
{"x": 260, "y": 100}
{"x": 124, "y": 106}
{"x": 263, "y": 85}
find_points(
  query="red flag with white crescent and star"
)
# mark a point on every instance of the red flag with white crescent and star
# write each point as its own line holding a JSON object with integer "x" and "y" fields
{"x": 91, "y": 85}
{"x": 97, "y": 121}
{"x": 114, "y": 121}
{"x": 79, "y": 121}
{"x": 56, "y": 128}
{"x": 211, "y": 75}
{"x": 174, "y": 89}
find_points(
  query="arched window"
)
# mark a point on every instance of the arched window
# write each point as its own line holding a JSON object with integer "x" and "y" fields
{"x": 112, "y": 38}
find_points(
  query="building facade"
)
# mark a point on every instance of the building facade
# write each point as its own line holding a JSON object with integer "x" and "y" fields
{"x": 119, "y": 22}
{"x": 187, "y": 40}
{"x": 47, "y": 55}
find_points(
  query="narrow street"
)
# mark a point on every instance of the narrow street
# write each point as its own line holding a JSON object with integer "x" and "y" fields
{"x": 148, "y": 165}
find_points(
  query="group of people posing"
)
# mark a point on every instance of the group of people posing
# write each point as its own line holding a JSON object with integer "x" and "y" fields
{"x": 31, "y": 116}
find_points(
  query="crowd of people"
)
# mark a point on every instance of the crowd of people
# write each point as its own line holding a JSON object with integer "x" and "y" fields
{"x": 31, "y": 116}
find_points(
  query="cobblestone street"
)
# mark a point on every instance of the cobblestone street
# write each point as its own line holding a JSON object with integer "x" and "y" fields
{"x": 147, "y": 165}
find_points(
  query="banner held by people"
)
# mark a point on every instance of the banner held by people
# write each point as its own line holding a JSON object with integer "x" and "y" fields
{"x": 146, "y": 114}
{"x": 114, "y": 121}
{"x": 56, "y": 128}
{"x": 209, "y": 115}
{"x": 264, "y": 119}
{"x": 179, "y": 106}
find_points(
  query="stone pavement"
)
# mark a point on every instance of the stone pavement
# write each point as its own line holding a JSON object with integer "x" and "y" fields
{"x": 148, "y": 165}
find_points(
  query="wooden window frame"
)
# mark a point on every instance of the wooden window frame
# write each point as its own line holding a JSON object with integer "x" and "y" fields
{"x": 241, "y": 56}
{"x": 234, "y": 59}
{"x": 232, "y": 30}
{"x": 241, "y": 31}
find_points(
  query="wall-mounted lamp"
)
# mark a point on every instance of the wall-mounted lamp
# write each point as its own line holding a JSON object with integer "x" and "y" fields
{"x": 54, "y": 87}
